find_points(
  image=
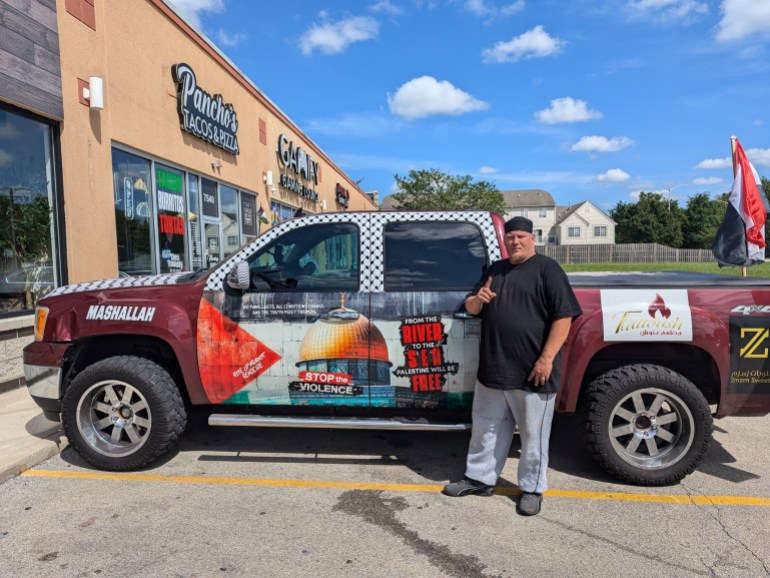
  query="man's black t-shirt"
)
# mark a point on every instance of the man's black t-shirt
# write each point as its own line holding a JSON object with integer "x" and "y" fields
{"x": 515, "y": 324}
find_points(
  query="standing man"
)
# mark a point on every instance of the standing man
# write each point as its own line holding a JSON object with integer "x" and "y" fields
{"x": 527, "y": 307}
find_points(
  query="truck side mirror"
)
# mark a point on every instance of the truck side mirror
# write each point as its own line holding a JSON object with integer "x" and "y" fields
{"x": 238, "y": 277}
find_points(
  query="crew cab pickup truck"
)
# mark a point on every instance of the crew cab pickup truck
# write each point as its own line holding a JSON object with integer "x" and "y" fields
{"x": 356, "y": 320}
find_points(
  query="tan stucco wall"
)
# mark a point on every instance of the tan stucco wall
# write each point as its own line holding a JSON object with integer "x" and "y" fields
{"x": 133, "y": 49}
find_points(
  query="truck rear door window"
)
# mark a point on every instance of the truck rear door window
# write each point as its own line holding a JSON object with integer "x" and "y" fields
{"x": 315, "y": 258}
{"x": 436, "y": 256}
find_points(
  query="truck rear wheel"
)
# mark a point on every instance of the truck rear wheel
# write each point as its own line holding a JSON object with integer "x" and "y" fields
{"x": 123, "y": 413}
{"x": 646, "y": 424}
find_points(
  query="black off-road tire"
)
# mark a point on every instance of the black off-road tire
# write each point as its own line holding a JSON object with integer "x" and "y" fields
{"x": 645, "y": 424}
{"x": 123, "y": 413}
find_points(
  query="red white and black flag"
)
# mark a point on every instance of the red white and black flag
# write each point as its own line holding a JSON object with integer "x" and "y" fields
{"x": 740, "y": 240}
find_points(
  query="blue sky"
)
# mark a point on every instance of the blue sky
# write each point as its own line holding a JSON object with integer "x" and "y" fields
{"x": 588, "y": 99}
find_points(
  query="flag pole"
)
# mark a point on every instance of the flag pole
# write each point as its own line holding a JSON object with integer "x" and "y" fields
{"x": 744, "y": 269}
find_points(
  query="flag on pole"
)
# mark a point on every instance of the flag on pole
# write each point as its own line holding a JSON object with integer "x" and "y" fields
{"x": 740, "y": 240}
{"x": 261, "y": 216}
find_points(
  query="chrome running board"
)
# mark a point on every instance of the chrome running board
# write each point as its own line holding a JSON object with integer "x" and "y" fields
{"x": 222, "y": 419}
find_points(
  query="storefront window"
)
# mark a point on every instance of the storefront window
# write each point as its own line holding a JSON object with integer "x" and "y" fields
{"x": 280, "y": 212}
{"x": 228, "y": 196}
{"x": 196, "y": 253}
{"x": 131, "y": 175}
{"x": 213, "y": 251}
{"x": 169, "y": 185}
{"x": 27, "y": 260}
{"x": 211, "y": 230}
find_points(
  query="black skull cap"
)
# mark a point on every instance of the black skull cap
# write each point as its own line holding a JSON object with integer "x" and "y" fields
{"x": 518, "y": 224}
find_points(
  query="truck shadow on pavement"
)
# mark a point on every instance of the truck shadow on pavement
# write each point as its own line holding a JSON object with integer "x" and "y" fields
{"x": 435, "y": 456}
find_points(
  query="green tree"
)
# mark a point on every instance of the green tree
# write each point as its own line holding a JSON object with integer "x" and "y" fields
{"x": 434, "y": 190}
{"x": 652, "y": 219}
{"x": 766, "y": 186}
{"x": 702, "y": 218}
{"x": 26, "y": 229}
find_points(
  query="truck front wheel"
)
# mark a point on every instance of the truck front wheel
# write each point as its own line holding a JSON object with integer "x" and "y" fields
{"x": 123, "y": 413}
{"x": 646, "y": 424}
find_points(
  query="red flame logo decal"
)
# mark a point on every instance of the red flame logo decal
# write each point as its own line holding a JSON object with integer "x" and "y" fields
{"x": 659, "y": 306}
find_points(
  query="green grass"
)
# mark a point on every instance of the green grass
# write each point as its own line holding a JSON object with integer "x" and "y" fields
{"x": 762, "y": 270}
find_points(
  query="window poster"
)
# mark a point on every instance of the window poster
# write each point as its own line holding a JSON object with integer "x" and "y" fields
{"x": 169, "y": 184}
{"x": 248, "y": 214}
{"x": 209, "y": 198}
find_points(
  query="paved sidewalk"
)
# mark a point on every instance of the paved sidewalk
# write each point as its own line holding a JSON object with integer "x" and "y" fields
{"x": 26, "y": 436}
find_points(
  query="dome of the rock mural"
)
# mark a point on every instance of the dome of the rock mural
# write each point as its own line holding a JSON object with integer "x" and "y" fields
{"x": 343, "y": 334}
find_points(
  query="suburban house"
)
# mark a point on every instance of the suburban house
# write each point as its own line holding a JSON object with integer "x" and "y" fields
{"x": 581, "y": 224}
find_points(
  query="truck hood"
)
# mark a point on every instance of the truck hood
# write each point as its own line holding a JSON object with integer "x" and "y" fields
{"x": 143, "y": 281}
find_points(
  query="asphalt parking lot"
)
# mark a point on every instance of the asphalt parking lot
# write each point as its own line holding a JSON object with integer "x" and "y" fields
{"x": 278, "y": 502}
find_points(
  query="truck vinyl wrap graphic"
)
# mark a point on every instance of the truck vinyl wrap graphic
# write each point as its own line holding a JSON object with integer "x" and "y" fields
{"x": 646, "y": 315}
{"x": 749, "y": 355}
{"x": 121, "y": 283}
{"x": 368, "y": 348}
{"x": 324, "y": 350}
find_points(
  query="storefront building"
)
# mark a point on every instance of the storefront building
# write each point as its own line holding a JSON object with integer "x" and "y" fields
{"x": 130, "y": 145}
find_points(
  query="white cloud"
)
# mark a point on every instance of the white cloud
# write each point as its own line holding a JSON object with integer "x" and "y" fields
{"x": 715, "y": 163}
{"x": 601, "y": 144}
{"x": 227, "y": 39}
{"x": 759, "y": 157}
{"x": 426, "y": 96}
{"x": 385, "y": 7}
{"x": 9, "y": 131}
{"x": 6, "y": 158}
{"x": 335, "y": 37}
{"x": 193, "y": 9}
{"x": 567, "y": 110}
{"x": 666, "y": 10}
{"x": 707, "y": 181}
{"x": 513, "y": 8}
{"x": 478, "y": 7}
{"x": 488, "y": 170}
{"x": 483, "y": 8}
{"x": 613, "y": 176}
{"x": 743, "y": 18}
{"x": 534, "y": 43}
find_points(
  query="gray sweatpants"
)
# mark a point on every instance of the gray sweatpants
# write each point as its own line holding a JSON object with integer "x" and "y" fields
{"x": 495, "y": 414}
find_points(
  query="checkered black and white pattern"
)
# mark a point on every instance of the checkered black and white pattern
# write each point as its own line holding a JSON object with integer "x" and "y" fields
{"x": 371, "y": 225}
{"x": 143, "y": 281}
{"x": 375, "y": 267}
{"x": 215, "y": 280}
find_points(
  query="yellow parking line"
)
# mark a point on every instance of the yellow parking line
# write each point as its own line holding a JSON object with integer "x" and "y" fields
{"x": 506, "y": 491}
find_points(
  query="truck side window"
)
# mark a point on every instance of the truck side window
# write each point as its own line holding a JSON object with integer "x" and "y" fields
{"x": 315, "y": 258}
{"x": 434, "y": 256}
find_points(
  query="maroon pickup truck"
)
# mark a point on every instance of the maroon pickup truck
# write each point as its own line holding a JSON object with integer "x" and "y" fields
{"x": 356, "y": 320}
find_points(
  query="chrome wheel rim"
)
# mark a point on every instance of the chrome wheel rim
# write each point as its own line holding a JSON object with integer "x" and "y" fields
{"x": 114, "y": 418}
{"x": 651, "y": 428}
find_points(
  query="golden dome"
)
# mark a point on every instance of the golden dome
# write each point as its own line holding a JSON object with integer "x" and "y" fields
{"x": 345, "y": 334}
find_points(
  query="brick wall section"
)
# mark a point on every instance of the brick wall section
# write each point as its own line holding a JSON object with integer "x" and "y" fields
{"x": 30, "y": 75}
{"x": 15, "y": 334}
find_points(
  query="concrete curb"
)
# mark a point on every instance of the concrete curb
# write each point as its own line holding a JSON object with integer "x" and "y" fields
{"x": 8, "y": 471}
{"x": 27, "y": 438}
